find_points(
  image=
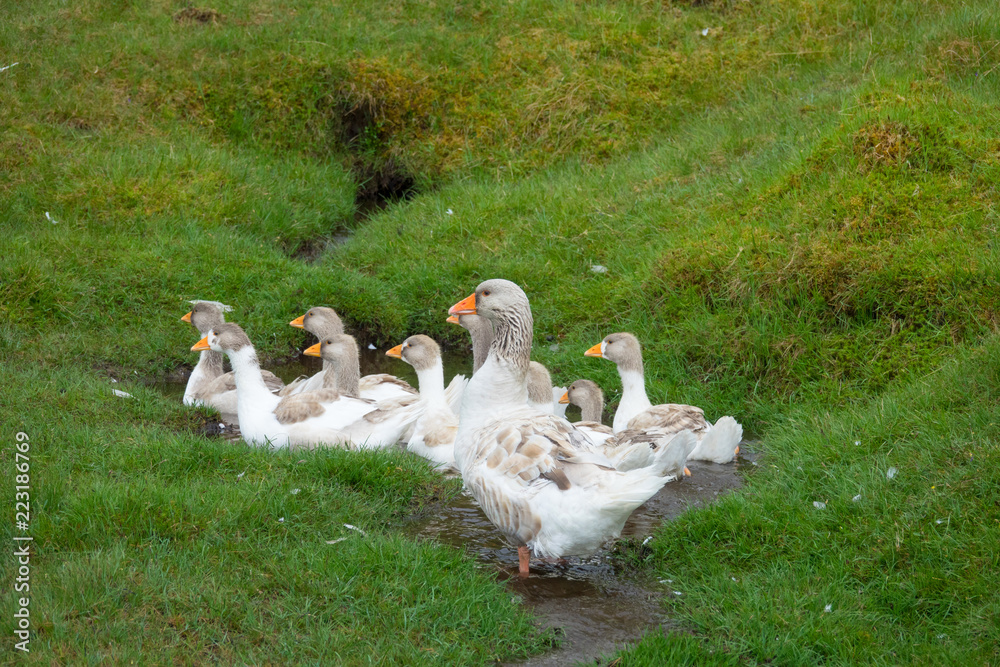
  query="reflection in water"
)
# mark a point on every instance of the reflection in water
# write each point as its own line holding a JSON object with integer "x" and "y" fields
{"x": 597, "y": 609}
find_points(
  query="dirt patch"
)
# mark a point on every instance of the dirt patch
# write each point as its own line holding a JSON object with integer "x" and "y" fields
{"x": 198, "y": 15}
{"x": 382, "y": 184}
{"x": 893, "y": 144}
{"x": 312, "y": 249}
{"x": 885, "y": 143}
{"x": 378, "y": 107}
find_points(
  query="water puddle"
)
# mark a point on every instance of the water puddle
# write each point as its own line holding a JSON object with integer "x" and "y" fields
{"x": 596, "y": 608}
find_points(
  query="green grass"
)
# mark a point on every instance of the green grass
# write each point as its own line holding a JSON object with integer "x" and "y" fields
{"x": 203, "y": 550}
{"x": 905, "y": 563}
{"x": 797, "y": 211}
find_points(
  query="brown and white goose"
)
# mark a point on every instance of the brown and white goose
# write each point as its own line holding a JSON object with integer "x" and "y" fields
{"x": 586, "y": 395}
{"x": 303, "y": 420}
{"x": 629, "y": 449}
{"x": 393, "y": 419}
{"x": 718, "y": 442}
{"x": 322, "y": 322}
{"x": 209, "y": 384}
{"x": 347, "y": 371}
{"x": 537, "y": 478}
{"x": 434, "y": 432}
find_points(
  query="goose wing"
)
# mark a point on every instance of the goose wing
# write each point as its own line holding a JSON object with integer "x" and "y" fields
{"x": 304, "y": 405}
{"x": 273, "y": 382}
{"x": 671, "y": 417}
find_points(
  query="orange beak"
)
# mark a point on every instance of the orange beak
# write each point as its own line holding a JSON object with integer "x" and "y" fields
{"x": 299, "y": 322}
{"x": 453, "y": 319}
{"x": 396, "y": 352}
{"x": 687, "y": 473}
{"x": 466, "y": 306}
{"x": 187, "y": 318}
{"x": 312, "y": 351}
{"x": 594, "y": 351}
{"x": 201, "y": 345}
{"x": 565, "y": 398}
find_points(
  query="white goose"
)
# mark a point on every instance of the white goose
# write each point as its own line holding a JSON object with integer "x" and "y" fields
{"x": 302, "y": 420}
{"x": 536, "y": 477}
{"x": 209, "y": 384}
{"x": 718, "y": 443}
{"x": 434, "y": 432}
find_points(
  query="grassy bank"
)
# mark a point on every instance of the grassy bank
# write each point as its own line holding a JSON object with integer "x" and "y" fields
{"x": 795, "y": 203}
{"x": 152, "y": 541}
{"x": 896, "y": 566}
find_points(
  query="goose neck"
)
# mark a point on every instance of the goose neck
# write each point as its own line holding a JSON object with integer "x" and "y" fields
{"x": 431, "y": 383}
{"x": 482, "y": 340}
{"x": 208, "y": 368}
{"x": 211, "y": 363}
{"x": 250, "y": 387}
{"x": 349, "y": 376}
{"x": 330, "y": 377}
{"x": 634, "y": 389}
{"x": 591, "y": 408}
{"x": 512, "y": 337}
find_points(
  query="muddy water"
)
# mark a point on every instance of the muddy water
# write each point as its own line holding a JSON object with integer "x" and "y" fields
{"x": 595, "y": 608}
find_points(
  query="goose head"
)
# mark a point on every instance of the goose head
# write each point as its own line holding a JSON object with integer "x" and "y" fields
{"x": 582, "y": 392}
{"x": 227, "y": 337}
{"x": 419, "y": 351}
{"x": 206, "y": 314}
{"x": 320, "y": 321}
{"x": 506, "y": 307}
{"x": 621, "y": 348}
{"x": 341, "y": 350}
{"x": 586, "y": 395}
{"x": 336, "y": 349}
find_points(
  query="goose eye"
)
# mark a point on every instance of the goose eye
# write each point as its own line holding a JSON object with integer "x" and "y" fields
{"x": 486, "y": 292}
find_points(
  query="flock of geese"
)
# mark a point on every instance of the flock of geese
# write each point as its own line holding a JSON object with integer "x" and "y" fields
{"x": 551, "y": 486}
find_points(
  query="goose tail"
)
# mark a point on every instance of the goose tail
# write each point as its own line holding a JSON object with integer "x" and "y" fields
{"x": 721, "y": 443}
{"x": 671, "y": 455}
